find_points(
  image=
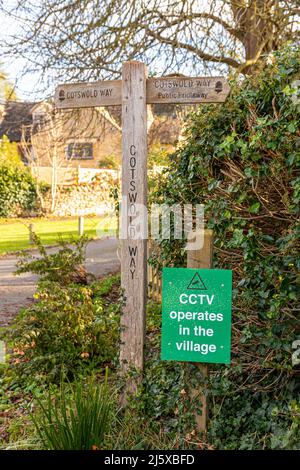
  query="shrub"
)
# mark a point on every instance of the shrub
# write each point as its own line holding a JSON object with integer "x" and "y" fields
{"x": 71, "y": 325}
{"x": 159, "y": 155}
{"x": 18, "y": 194}
{"x": 9, "y": 154}
{"x": 75, "y": 419}
{"x": 241, "y": 160}
{"x": 110, "y": 162}
{"x": 134, "y": 432}
{"x": 66, "y": 329}
{"x": 63, "y": 266}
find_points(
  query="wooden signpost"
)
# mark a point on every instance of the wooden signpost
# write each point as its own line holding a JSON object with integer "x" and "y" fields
{"x": 134, "y": 92}
{"x": 134, "y": 215}
{"x": 187, "y": 90}
{"x": 202, "y": 259}
{"x": 181, "y": 90}
{"x": 86, "y": 95}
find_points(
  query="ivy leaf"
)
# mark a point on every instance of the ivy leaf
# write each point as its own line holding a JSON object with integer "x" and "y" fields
{"x": 254, "y": 209}
{"x": 237, "y": 238}
{"x": 291, "y": 127}
{"x": 292, "y": 158}
{"x": 214, "y": 184}
{"x": 249, "y": 171}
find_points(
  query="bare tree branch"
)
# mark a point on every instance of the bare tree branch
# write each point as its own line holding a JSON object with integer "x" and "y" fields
{"x": 89, "y": 39}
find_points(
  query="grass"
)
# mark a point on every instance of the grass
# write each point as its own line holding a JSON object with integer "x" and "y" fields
{"x": 14, "y": 233}
{"x": 75, "y": 421}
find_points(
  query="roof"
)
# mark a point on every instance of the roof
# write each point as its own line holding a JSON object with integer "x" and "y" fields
{"x": 14, "y": 116}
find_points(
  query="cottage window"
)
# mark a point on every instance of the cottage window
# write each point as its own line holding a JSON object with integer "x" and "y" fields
{"x": 80, "y": 151}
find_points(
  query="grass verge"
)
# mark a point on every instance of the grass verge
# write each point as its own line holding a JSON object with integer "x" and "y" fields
{"x": 14, "y": 234}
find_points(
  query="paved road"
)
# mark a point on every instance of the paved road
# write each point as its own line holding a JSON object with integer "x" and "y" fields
{"x": 17, "y": 291}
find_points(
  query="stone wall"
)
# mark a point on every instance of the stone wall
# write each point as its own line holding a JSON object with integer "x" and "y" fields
{"x": 86, "y": 198}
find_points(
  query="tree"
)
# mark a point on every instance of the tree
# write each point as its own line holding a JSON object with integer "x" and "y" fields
{"x": 45, "y": 145}
{"x": 9, "y": 154}
{"x": 241, "y": 160}
{"x": 7, "y": 91}
{"x": 88, "y": 39}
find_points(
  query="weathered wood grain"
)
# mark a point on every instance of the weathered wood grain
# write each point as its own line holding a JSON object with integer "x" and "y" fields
{"x": 187, "y": 90}
{"x": 134, "y": 216}
{"x": 85, "y": 95}
{"x": 181, "y": 90}
{"x": 202, "y": 259}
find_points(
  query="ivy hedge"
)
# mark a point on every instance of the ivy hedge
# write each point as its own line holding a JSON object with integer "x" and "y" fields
{"x": 18, "y": 194}
{"x": 241, "y": 160}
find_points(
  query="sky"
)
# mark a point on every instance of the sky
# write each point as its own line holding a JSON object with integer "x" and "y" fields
{"x": 30, "y": 86}
{"x": 26, "y": 86}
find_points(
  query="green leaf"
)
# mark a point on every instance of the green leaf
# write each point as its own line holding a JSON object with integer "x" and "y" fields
{"x": 254, "y": 209}
{"x": 292, "y": 127}
{"x": 249, "y": 172}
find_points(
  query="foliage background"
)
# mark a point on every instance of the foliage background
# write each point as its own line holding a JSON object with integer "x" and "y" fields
{"x": 69, "y": 327}
{"x": 241, "y": 160}
{"x": 18, "y": 194}
{"x": 9, "y": 152}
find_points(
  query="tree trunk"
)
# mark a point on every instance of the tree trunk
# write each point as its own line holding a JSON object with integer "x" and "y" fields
{"x": 54, "y": 181}
{"x": 256, "y": 30}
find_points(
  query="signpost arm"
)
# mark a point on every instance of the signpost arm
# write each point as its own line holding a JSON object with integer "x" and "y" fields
{"x": 133, "y": 217}
{"x": 202, "y": 259}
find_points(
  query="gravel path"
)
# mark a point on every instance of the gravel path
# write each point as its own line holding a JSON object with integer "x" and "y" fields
{"x": 17, "y": 291}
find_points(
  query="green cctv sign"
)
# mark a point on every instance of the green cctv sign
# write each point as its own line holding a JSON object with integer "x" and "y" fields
{"x": 196, "y": 315}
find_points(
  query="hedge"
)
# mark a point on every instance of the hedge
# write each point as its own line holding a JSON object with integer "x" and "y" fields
{"x": 241, "y": 160}
{"x": 18, "y": 194}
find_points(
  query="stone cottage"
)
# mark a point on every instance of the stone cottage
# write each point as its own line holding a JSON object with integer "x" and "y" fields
{"x": 81, "y": 137}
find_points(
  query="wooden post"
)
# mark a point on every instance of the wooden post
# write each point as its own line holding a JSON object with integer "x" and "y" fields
{"x": 134, "y": 217}
{"x": 2, "y": 352}
{"x": 31, "y": 233}
{"x": 202, "y": 259}
{"x": 117, "y": 212}
{"x": 80, "y": 225}
{"x": 133, "y": 92}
